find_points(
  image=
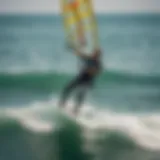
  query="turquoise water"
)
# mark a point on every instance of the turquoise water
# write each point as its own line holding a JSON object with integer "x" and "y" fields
{"x": 35, "y": 65}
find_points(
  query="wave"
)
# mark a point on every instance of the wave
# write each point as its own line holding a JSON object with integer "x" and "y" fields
{"x": 40, "y": 132}
{"x": 122, "y": 77}
{"x": 50, "y": 81}
{"x": 32, "y": 80}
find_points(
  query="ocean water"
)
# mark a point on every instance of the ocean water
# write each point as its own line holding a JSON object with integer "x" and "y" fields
{"x": 120, "y": 119}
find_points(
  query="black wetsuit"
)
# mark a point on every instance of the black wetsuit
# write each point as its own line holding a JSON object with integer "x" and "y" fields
{"x": 84, "y": 80}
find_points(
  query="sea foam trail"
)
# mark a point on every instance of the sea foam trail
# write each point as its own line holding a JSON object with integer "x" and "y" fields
{"x": 143, "y": 130}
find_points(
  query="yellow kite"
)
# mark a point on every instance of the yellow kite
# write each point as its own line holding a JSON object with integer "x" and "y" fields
{"x": 80, "y": 23}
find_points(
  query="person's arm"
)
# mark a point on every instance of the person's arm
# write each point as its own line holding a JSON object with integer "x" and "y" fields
{"x": 79, "y": 53}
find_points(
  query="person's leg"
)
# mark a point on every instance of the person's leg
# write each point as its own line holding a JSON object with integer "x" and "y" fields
{"x": 66, "y": 92}
{"x": 80, "y": 97}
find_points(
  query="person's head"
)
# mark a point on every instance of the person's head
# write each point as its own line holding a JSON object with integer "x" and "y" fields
{"x": 96, "y": 53}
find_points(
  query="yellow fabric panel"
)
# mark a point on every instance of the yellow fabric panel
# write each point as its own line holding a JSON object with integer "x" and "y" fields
{"x": 75, "y": 13}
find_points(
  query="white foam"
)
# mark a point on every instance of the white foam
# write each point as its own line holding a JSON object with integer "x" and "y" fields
{"x": 32, "y": 117}
{"x": 143, "y": 129}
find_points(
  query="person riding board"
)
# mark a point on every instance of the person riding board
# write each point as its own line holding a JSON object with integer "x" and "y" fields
{"x": 85, "y": 79}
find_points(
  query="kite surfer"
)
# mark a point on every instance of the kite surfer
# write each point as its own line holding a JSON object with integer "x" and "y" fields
{"x": 92, "y": 63}
{"x": 85, "y": 79}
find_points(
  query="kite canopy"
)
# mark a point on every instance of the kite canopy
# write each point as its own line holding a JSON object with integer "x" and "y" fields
{"x": 80, "y": 24}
